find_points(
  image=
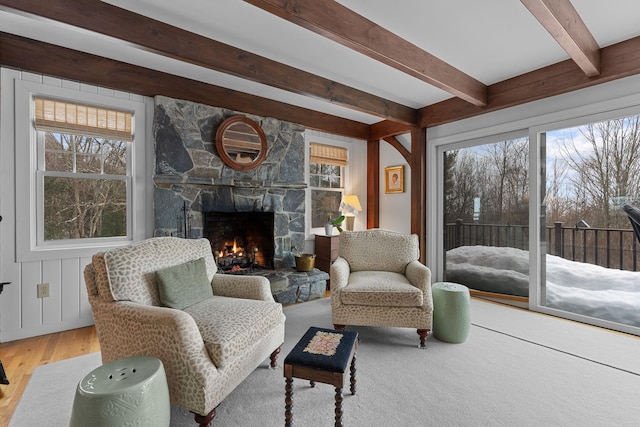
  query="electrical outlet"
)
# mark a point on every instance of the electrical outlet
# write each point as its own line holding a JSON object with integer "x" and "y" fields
{"x": 43, "y": 290}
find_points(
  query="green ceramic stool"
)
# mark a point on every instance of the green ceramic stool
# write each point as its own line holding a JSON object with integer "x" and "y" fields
{"x": 451, "y": 312}
{"x": 125, "y": 392}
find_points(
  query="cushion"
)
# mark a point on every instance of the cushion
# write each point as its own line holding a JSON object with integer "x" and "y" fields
{"x": 378, "y": 249}
{"x": 229, "y": 326}
{"x": 380, "y": 289}
{"x": 184, "y": 284}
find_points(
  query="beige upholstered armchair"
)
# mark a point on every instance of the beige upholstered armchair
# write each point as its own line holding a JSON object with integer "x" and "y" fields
{"x": 143, "y": 303}
{"x": 378, "y": 281}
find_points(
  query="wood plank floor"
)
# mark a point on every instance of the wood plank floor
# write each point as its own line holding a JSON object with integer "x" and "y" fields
{"x": 21, "y": 357}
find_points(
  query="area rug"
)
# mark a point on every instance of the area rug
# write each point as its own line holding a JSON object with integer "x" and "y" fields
{"x": 516, "y": 368}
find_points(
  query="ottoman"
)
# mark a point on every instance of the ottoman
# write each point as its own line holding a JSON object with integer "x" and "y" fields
{"x": 451, "y": 312}
{"x": 125, "y": 392}
{"x": 326, "y": 356}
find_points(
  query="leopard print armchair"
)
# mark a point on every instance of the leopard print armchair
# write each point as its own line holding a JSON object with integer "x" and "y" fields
{"x": 378, "y": 281}
{"x": 208, "y": 348}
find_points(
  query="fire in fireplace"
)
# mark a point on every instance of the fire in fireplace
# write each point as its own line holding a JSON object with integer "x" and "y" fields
{"x": 240, "y": 240}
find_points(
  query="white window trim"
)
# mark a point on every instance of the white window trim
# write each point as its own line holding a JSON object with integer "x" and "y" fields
{"x": 27, "y": 246}
{"x": 354, "y": 175}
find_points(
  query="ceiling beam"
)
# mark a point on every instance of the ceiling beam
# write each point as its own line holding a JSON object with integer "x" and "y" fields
{"x": 386, "y": 128}
{"x": 340, "y": 24}
{"x": 44, "y": 58}
{"x": 166, "y": 40}
{"x": 617, "y": 61}
{"x": 564, "y": 24}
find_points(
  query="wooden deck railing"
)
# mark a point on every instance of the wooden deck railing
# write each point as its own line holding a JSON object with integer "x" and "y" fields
{"x": 606, "y": 247}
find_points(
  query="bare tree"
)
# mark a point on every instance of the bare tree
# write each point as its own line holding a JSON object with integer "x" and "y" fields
{"x": 606, "y": 169}
{"x": 82, "y": 205}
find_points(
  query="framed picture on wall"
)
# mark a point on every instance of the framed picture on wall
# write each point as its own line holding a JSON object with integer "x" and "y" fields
{"x": 394, "y": 179}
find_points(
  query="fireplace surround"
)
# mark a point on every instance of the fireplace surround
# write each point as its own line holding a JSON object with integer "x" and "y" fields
{"x": 189, "y": 171}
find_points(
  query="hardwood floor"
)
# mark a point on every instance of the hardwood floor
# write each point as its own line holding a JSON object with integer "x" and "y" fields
{"x": 21, "y": 357}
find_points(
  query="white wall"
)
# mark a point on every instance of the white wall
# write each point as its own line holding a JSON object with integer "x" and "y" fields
{"x": 22, "y": 313}
{"x": 395, "y": 208}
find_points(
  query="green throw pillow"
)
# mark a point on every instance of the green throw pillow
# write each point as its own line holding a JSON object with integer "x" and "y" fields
{"x": 185, "y": 284}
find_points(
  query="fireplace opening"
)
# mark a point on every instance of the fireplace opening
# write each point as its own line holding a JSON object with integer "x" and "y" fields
{"x": 240, "y": 241}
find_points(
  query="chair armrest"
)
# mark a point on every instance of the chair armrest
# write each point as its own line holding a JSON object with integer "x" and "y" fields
{"x": 339, "y": 274}
{"x": 419, "y": 276}
{"x": 242, "y": 286}
{"x": 162, "y": 332}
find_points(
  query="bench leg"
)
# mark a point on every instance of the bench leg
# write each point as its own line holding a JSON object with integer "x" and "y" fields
{"x": 288, "y": 402}
{"x": 353, "y": 374}
{"x": 338, "y": 407}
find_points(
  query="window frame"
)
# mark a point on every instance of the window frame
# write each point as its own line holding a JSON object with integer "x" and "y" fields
{"x": 30, "y": 245}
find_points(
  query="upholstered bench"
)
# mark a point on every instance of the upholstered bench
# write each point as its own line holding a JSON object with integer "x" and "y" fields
{"x": 321, "y": 355}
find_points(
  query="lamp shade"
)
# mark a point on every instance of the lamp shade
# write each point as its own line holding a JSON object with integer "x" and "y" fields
{"x": 350, "y": 204}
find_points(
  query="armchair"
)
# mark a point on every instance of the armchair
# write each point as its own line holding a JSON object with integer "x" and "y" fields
{"x": 208, "y": 347}
{"x": 378, "y": 281}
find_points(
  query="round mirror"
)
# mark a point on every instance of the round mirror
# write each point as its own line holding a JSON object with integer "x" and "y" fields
{"x": 241, "y": 143}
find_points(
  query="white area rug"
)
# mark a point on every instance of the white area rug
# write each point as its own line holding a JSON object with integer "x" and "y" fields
{"x": 516, "y": 368}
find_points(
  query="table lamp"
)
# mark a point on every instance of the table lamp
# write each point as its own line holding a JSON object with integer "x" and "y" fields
{"x": 350, "y": 206}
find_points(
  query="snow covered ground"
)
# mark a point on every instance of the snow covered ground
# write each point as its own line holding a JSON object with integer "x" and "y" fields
{"x": 595, "y": 291}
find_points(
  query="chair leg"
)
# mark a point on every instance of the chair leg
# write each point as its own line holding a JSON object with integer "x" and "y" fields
{"x": 274, "y": 358}
{"x": 423, "y": 337}
{"x": 205, "y": 420}
{"x": 3, "y": 375}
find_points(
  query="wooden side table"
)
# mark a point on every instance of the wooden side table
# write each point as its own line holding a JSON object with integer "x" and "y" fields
{"x": 327, "y": 250}
{"x": 325, "y": 356}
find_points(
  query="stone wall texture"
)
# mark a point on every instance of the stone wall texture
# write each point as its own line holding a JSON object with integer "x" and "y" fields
{"x": 189, "y": 172}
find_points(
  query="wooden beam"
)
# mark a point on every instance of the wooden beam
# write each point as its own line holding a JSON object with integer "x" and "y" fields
{"x": 166, "y": 40}
{"x": 373, "y": 183}
{"x": 35, "y": 56}
{"x": 393, "y": 141}
{"x": 564, "y": 24}
{"x": 419, "y": 187}
{"x": 340, "y": 24}
{"x": 617, "y": 61}
{"x": 386, "y": 128}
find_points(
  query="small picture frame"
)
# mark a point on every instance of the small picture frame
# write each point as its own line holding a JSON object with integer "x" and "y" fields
{"x": 394, "y": 179}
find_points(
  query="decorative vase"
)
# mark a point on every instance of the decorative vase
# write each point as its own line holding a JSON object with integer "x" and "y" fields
{"x": 328, "y": 229}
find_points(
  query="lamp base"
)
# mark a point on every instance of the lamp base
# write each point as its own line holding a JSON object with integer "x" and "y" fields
{"x": 350, "y": 220}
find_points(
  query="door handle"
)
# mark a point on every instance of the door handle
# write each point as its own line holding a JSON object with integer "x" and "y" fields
{"x": 2, "y": 285}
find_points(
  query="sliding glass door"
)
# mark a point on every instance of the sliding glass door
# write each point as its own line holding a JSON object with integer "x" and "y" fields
{"x": 486, "y": 216}
{"x": 590, "y": 265}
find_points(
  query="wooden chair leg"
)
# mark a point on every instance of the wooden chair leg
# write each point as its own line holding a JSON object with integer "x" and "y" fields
{"x": 274, "y": 358}
{"x": 205, "y": 420}
{"x": 423, "y": 337}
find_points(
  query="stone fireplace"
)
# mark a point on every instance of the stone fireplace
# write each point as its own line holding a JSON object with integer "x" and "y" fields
{"x": 189, "y": 173}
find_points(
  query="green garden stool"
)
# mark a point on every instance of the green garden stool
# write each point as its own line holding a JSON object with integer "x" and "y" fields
{"x": 126, "y": 392}
{"x": 451, "y": 312}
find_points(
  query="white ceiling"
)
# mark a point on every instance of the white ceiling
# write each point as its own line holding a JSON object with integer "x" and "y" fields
{"x": 491, "y": 40}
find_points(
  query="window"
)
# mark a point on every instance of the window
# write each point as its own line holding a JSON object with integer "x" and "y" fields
{"x": 326, "y": 180}
{"x": 83, "y": 173}
{"x": 83, "y": 185}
